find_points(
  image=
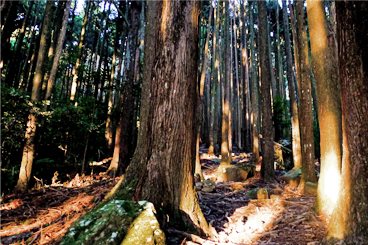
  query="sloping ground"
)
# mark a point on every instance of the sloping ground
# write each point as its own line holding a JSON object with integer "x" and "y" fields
{"x": 240, "y": 218}
{"x": 43, "y": 216}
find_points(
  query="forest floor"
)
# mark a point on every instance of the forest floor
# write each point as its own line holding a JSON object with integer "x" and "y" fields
{"x": 43, "y": 216}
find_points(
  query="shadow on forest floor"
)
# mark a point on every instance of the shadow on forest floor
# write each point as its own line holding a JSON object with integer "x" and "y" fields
{"x": 43, "y": 216}
{"x": 285, "y": 219}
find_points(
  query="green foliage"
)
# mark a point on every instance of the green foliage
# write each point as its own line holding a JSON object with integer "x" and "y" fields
{"x": 61, "y": 135}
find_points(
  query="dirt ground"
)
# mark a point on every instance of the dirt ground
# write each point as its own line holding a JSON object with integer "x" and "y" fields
{"x": 43, "y": 216}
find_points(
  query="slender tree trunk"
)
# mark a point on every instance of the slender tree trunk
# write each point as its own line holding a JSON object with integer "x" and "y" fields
{"x": 349, "y": 221}
{"x": 14, "y": 63}
{"x": 267, "y": 168}
{"x": 225, "y": 158}
{"x": 156, "y": 173}
{"x": 295, "y": 45}
{"x": 296, "y": 147}
{"x": 59, "y": 48}
{"x": 213, "y": 135}
{"x": 306, "y": 124}
{"x": 29, "y": 146}
{"x": 254, "y": 89}
{"x": 238, "y": 106}
{"x": 76, "y": 68}
{"x": 246, "y": 97}
{"x": 198, "y": 169}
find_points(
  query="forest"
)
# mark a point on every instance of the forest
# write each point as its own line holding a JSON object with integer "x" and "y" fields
{"x": 184, "y": 122}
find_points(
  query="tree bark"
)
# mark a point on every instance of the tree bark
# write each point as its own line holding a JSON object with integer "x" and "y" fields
{"x": 267, "y": 168}
{"x": 296, "y": 147}
{"x": 29, "y": 146}
{"x": 349, "y": 221}
{"x": 76, "y": 70}
{"x": 59, "y": 49}
{"x": 254, "y": 89}
{"x": 168, "y": 117}
{"x": 329, "y": 107}
{"x": 305, "y": 90}
{"x": 225, "y": 151}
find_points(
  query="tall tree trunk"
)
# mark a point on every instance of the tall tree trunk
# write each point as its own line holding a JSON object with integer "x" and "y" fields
{"x": 14, "y": 63}
{"x": 296, "y": 147}
{"x": 267, "y": 168}
{"x": 237, "y": 94}
{"x": 126, "y": 113}
{"x": 59, "y": 49}
{"x": 349, "y": 221}
{"x": 76, "y": 68}
{"x": 329, "y": 107}
{"x": 246, "y": 93}
{"x": 198, "y": 169}
{"x": 29, "y": 146}
{"x": 225, "y": 151}
{"x": 295, "y": 45}
{"x": 213, "y": 135}
{"x": 168, "y": 117}
{"x": 254, "y": 88}
{"x": 306, "y": 124}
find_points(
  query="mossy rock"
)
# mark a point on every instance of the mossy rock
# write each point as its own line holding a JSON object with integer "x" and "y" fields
{"x": 249, "y": 168}
{"x": 239, "y": 172}
{"x": 208, "y": 185}
{"x": 252, "y": 194}
{"x": 262, "y": 194}
{"x": 145, "y": 229}
{"x": 292, "y": 177}
{"x": 107, "y": 224}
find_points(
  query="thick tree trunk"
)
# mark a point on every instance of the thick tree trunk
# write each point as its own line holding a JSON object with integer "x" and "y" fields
{"x": 306, "y": 124}
{"x": 296, "y": 147}
{"x": 349, "y": 222}
{"x": 168, "y": 119}
{"x": 329, "y": 107}
{"x": 254, "y": 88}
{"x": 29, "y": 146}
{"x": 267, "y": 169}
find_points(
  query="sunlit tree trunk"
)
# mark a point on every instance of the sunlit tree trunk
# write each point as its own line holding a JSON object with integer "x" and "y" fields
{"x": 29, "y": 146}
{"x": 305, "y": 90}
{"x": 329, "y": 107}
{"x": 267, "y": 168}
{"x": 168, "y": 117}
{"x": 237, "y": 93}
{"x": 254, "y": 88}
{"x": 349, "y": 221}
{"x": 76, "y": 72}
{"x": 225, "y": 158}
{"x": 296, "y": 147}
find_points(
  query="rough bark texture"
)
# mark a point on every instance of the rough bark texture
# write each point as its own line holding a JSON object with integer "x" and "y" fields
{"x": 349, "y": 222}
{"x": 297, "y": 158}
{"x": 267, "y": 168}
{"x": 254, "y": 89}
{"x": 162, "y": 167}
{"x": 306, "y": 115}
{"x": 329, "y": 107}
{"x": 29, "y": 146}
